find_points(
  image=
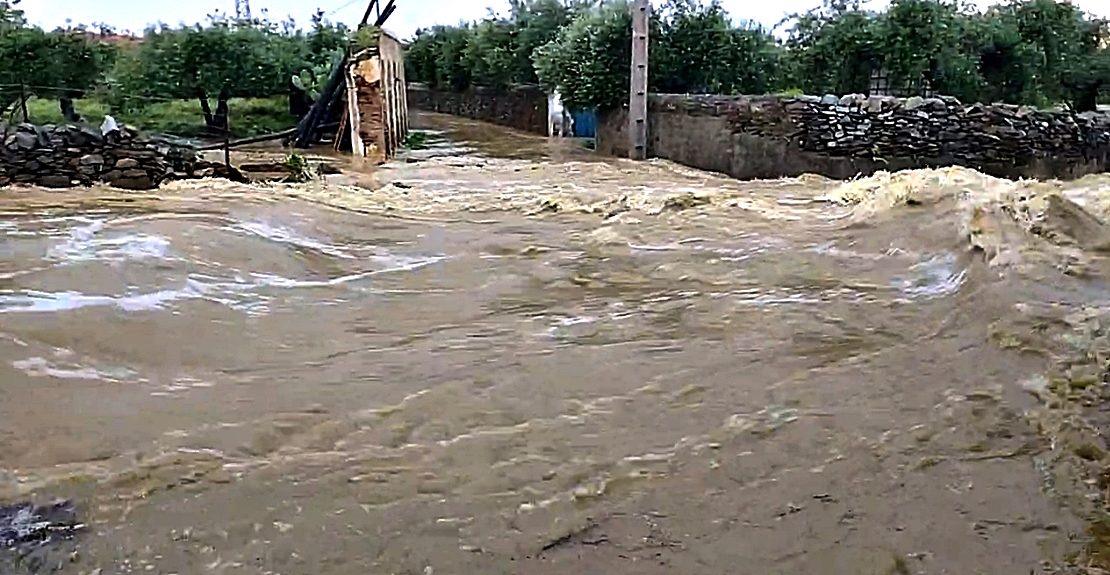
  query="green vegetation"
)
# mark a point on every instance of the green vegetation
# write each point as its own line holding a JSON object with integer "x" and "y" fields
{"x": 249, "y": 117}
{"x": 300, "y": 169}
{"x": 416, "y": 140}
{"x": 169, "y": 79}
{"x": 1036, "y": 52}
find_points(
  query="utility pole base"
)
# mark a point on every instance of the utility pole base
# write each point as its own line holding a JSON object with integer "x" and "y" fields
{"x": 637, "y": 99}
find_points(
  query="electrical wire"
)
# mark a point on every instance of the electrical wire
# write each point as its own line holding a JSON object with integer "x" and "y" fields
{"x": 348, "y": 4}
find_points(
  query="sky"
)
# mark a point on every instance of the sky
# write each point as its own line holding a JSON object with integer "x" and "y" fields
{"x": 136, "y": 15}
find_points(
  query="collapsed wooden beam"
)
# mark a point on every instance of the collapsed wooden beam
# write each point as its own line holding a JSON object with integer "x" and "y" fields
{"x": 251, "y": 140}
{"x": 308, "y": 127}
{"x": 386, "y": 13}
{"x": 366, "y": 15}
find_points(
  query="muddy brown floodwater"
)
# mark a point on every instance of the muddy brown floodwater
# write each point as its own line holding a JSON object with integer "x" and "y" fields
{"x": 515, "y": 357}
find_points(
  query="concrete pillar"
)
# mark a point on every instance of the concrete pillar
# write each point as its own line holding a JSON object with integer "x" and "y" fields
{"x": 637, "y": 99}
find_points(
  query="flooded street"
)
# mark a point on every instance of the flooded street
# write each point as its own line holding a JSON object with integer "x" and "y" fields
{"x": 516, "y": 357}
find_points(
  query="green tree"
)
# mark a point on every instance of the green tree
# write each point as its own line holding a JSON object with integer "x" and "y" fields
{"x": 223, "y": 59}
{"x": 834, "y": 49}
{"x": 63, "y": 64}
{"x": 496, "y": 51}
{"x": 490, "y": 53}
{"x": 420, "y": 57}
{"x": 922, "y": 43}
{"x": 452, "y": 68}
{"x": 538, "y": 22}
{"x": 698, "y": 50}
{"x": 1023, "y": 51}
{"x": 589, "y": 61}
{"x": 1006, "y": 64}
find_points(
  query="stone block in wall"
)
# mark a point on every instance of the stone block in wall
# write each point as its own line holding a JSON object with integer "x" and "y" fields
{"x": 52, "y": 181}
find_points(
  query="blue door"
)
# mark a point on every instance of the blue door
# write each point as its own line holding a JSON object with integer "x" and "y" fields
{"x": 585, "y": 124}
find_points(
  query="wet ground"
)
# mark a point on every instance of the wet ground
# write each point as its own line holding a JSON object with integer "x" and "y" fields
{"x": 510, "y": 356}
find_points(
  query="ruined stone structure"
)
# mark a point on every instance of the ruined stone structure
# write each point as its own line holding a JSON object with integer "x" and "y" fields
{"x": 375, "y": 84}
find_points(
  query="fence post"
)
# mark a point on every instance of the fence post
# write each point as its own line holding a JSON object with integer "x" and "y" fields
{"x": 23, "y": 102}
{"x": 227, "y": 139}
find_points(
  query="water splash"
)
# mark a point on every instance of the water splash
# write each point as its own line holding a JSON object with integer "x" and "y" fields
{"x": 933, "y": 277}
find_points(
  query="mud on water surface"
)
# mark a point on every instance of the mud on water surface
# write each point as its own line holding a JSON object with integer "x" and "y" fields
{"x": 511, "y": 356}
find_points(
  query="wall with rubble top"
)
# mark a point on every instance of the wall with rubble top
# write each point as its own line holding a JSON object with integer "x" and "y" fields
{"x": 67, "y": 156}
{"x": 843, "y": 137}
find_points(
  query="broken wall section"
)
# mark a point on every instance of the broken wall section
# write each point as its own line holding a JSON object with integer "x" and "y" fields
{"x": 377, "y": 106}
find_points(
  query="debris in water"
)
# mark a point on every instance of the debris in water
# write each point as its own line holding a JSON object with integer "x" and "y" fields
{"x": 685, "y": 201}
{"x": 28, "y": 533}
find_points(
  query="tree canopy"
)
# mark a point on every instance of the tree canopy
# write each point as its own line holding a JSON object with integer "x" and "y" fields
{"x": 61, "y": 64}
{"x": 223, "y": 58}
{"x": 1037, "y": 52}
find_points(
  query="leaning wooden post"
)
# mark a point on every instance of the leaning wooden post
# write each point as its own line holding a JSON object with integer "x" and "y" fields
{"x": 637, "y": 99}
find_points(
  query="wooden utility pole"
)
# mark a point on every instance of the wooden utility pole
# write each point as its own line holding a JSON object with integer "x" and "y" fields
{"x": 637, "y": 99}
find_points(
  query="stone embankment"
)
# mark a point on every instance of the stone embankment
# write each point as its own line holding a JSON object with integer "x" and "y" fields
{"x": 68, "y": 156}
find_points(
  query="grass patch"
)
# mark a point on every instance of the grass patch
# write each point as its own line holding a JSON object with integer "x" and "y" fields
{"x": 416, "y": 140}
{"x": 248, "y": 117}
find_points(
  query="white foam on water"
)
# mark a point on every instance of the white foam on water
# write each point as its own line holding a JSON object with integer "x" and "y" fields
{"x": 42, "y": 367}
{"x": 247, "y": 294}
{"x": 286, "y": 236}
{"x": 934, "y": 277}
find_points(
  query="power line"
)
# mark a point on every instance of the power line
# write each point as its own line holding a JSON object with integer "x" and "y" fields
{"x": 242, "y": 9}
{"x": 348, "y": 4}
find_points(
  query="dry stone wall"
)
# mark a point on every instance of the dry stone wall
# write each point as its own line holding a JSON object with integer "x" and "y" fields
{"x": 523, "y": 108}
{"x": 881, "y": 127}
{"x": 842, "y": 137}
{"x": 67, "y": 156}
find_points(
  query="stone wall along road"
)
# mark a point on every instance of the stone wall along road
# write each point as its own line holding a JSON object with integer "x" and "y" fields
{"x": 771, "y": 136}
{"x": 523, "y": 108}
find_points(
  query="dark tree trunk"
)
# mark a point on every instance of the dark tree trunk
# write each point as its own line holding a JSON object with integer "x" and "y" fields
{"x": 222, "y": 111}
{"x": 215, "y": 122}
{"x": 206, "y": 108}
{"x": 69, "y": 111}
{"x": 299, "y": 102}
{"x": 23, "y": 104}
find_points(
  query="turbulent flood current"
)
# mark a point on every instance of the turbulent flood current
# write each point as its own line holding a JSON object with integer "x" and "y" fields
{"x": 508, "y": 355}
